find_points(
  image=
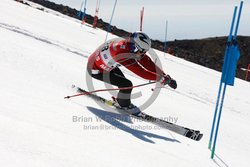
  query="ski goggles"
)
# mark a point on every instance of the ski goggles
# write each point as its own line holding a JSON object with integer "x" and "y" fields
{"x": 134, "y": 48}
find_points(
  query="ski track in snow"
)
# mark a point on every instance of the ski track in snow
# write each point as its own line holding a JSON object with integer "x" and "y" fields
{"x": 47, "y": 41}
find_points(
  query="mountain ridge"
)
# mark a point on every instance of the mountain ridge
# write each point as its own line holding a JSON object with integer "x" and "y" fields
{"x": 208, "y": 52}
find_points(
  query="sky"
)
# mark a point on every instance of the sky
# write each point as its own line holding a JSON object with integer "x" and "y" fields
{"x": 192, "y": 19}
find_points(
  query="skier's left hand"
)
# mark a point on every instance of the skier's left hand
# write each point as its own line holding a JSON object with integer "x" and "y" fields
{"x": 167, "y": 80}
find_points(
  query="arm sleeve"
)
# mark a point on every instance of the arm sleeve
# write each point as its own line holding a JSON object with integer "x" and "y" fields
{"x": 136, "y": 68}
{"x": 148, "y": 64}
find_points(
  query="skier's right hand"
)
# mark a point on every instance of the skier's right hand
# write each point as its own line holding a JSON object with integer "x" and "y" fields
{"x": 167, "y": 80}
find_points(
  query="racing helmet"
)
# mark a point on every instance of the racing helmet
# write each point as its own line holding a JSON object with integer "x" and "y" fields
{"x": 140, "y": 42}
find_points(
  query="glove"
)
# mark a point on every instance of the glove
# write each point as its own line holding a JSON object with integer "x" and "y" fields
{"x": 167, "y": 80}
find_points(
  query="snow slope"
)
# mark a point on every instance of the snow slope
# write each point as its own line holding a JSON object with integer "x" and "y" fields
{"x": 43, "y": 53}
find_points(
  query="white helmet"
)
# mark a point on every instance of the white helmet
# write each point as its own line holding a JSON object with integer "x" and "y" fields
{"x": 142, "y": 41}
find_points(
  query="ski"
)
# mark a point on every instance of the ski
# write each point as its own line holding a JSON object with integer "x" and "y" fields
{"x": 184, "y": 131}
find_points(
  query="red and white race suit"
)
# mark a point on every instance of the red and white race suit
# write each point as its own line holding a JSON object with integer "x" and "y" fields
{"x": 117, "y": 52}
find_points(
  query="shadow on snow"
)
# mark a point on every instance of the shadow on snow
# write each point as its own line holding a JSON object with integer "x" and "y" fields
{"x": 115, "y": 120}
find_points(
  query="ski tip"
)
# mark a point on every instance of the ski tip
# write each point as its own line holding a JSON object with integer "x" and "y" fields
{"x": 194, "y": 135}
{"x": 199, "y": 137}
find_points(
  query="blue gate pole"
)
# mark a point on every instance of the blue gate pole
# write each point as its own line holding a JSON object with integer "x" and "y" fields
{"x": 84, "y": 10}
{"x": 165, "y": 43}
{"x": 109, "y": 27}
{"x": 215, "y": 116}
{"x": 219, "y": 92}
{"x": 80, "y": 11}
{"x": 238, "y": 21}
{"x": 226, "y": 78}
{"x": 219, "y": 116}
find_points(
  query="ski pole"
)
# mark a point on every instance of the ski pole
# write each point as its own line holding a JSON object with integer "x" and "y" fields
{"x": 102, "y": 90}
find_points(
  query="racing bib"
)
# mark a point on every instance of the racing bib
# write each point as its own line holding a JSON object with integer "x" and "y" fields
{"x": 105, "y": 59}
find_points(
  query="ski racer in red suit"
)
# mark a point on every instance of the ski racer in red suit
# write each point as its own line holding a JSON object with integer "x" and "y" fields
{"x": 104, "y": 64}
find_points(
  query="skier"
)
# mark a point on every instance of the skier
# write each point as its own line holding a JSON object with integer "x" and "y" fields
{"x": 104, "y": 64}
